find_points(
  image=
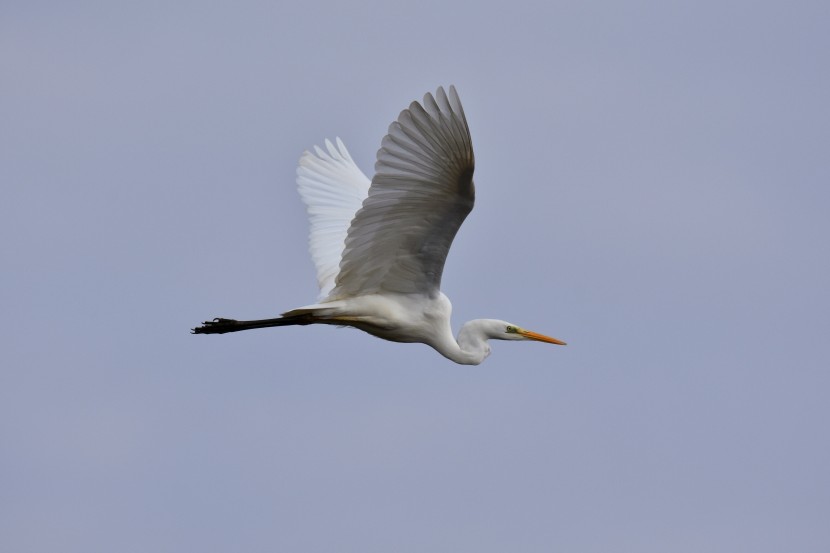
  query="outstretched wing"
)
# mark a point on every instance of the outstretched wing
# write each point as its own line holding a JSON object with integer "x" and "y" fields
{"x": 421, "y": 193}
{"x": 333, "y": 189}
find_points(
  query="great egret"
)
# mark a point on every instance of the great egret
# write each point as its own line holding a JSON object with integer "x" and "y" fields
{"x": 379, "y": 246}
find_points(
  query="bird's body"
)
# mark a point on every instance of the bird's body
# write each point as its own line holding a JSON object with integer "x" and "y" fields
{"x": 379, "y": 246}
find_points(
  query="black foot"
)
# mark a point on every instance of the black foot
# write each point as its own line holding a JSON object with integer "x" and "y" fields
{"x": 216, "y": 326}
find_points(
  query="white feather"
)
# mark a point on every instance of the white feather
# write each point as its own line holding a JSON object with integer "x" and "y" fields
{"x": 421, "y": 193}
{"x": 333, "y": 189}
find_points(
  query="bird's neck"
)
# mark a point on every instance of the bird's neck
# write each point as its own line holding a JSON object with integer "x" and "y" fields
{"x": 471, "y": 347}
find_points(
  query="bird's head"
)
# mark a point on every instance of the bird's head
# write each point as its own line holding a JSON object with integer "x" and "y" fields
{"x": 513, "y": 332}
{"x": 473, "y": 336}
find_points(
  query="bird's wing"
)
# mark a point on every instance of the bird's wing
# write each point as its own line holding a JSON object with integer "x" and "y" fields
{"x": 333, "y": 189}
{"x": 421, "y": 193}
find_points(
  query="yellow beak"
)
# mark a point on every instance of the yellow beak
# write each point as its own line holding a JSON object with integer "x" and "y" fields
{"x": 541, "y": 337}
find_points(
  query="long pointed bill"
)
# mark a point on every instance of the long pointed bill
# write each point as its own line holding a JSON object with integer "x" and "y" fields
{"x": 541, "y": 337}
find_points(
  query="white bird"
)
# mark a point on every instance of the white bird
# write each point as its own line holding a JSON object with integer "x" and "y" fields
{"x": 379, "y": 246}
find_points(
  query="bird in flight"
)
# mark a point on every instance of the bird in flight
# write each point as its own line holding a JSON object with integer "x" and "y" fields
{"x": 379, "y": 246}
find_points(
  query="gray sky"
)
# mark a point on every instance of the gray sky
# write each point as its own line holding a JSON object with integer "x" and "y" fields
{"x": 652, "y": 184}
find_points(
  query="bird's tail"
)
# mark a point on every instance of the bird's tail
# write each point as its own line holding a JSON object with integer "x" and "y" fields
{"x": 221, "y": 326}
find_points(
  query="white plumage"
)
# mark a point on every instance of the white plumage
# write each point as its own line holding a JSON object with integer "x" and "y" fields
{"x": 333, "y": 189}
{"x": 379, "y": 248}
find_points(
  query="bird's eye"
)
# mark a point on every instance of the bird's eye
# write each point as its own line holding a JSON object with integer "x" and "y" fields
{"x": 510, "y": 329}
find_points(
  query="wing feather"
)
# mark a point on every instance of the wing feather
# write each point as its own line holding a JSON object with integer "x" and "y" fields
{"x": 420, "y": 195}
{"x": 333, "y": 189}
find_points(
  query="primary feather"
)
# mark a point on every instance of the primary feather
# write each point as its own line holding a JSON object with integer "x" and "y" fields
{"x": 421, "y": 193}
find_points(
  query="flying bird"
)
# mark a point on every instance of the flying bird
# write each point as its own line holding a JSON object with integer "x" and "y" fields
{"x": 379, "y": 246}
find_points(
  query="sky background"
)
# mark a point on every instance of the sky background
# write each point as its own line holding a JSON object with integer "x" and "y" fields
{"x": 653, "y": 183}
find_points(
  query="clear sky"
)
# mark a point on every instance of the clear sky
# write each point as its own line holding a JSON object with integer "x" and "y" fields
{"x": 653, "y": 183}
